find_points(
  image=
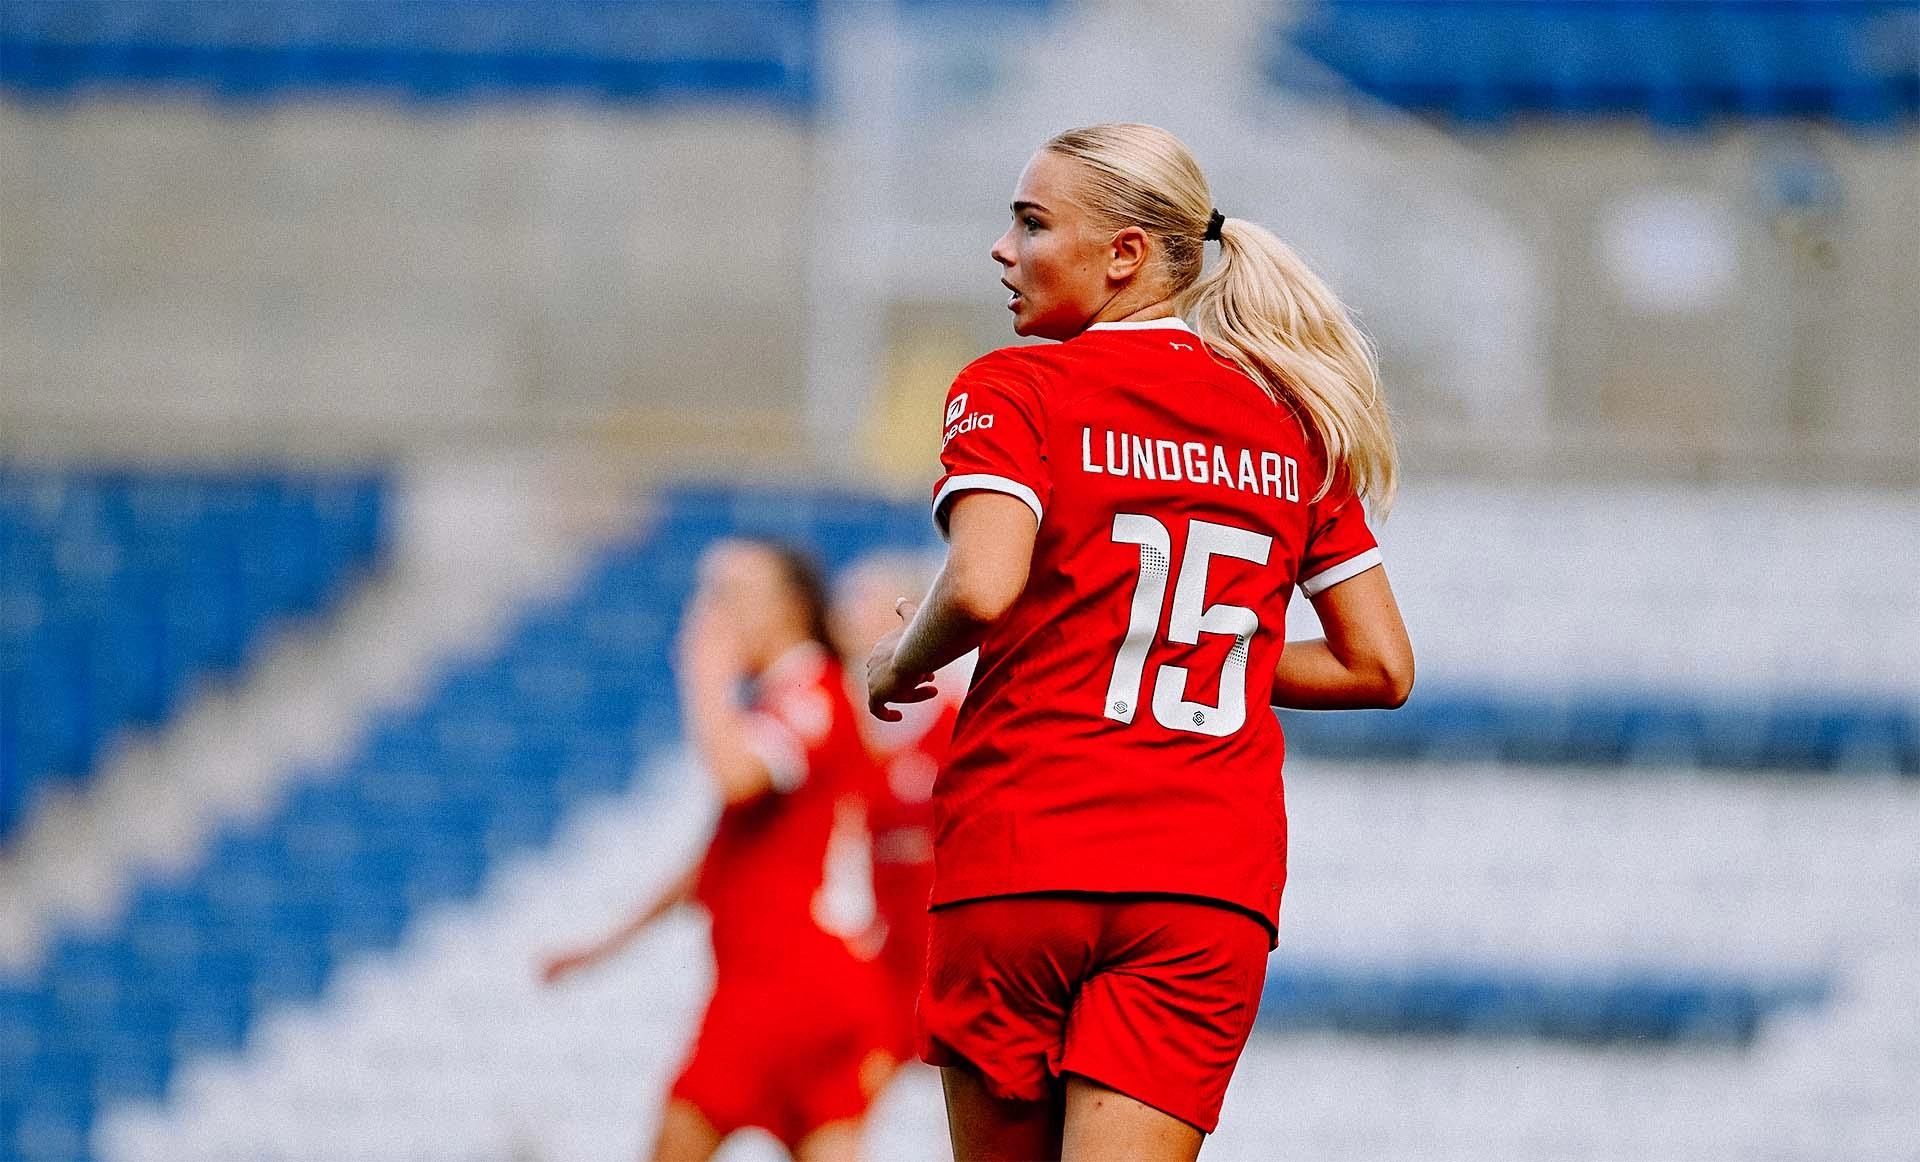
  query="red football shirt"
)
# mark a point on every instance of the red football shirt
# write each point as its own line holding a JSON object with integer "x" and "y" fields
{"x": 909, "y": 753}
{"x": 767, "y": 877}
{"x": 1117, "y": 736}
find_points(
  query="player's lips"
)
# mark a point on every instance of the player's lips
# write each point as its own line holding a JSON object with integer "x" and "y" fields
{"x": 1013, "y": 300}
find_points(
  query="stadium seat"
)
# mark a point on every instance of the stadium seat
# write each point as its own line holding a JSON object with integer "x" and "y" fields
{"x": 571, "y": 701}
{"x": 124, "y": 590}
{"x": 1678, "y": 65}
{"x": 51, "y": 1117}
{"x": 417, "y": 50}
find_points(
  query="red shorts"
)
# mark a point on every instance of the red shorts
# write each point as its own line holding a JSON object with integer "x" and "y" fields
{"x": 771, "y": 1059}
{"x": 1148, "y": 996}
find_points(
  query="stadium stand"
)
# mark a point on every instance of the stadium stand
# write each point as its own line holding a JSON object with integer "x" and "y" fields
{"x": 507, "y": 743}
{"x": 655, "y": 50}
{"x": 119, "y": 591}
{"x": 1856, "y": 62}
{"x": 487, "y": 766}
{"x": 450, "y": 1048}
{"x": 1546, "y": 863}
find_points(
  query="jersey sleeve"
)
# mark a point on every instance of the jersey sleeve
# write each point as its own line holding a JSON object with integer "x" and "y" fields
{"x": 1339, "y": 543}
{"x": 786, "y": 733}
{"x": 779, "y": 750}
{"x": 993, "y": 439}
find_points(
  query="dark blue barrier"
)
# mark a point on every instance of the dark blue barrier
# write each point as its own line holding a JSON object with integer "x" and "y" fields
{"x": 1485, "y": 1001}
{"x": 1678, "y": 729}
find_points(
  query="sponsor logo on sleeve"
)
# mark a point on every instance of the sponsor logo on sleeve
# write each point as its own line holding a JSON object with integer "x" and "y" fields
{"x": 960, "y": 423}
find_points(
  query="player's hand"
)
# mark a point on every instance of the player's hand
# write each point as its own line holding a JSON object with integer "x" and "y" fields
{"x": 558, "y": 968}
{"x": 885, "y": 682}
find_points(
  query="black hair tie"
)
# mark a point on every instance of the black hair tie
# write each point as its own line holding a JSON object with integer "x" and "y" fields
{"x": 1213, "y": 227}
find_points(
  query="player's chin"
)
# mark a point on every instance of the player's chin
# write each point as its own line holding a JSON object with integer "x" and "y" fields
{"x": 1023, "y": 319}
{"x": 1031, "y": 324}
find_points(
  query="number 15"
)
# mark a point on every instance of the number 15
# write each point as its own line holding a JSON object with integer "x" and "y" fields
{"x": 1188, "y": 619}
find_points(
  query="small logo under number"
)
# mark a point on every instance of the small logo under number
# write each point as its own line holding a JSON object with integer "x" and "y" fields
{"x": 1198, "y": 718}
{"x": 1119, "y": 707}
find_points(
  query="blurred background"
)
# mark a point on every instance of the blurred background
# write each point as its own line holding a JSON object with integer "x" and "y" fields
{"x": 373, "y": 371}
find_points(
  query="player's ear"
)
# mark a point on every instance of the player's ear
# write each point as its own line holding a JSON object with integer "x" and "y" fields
{"x": 1126, "y": 254}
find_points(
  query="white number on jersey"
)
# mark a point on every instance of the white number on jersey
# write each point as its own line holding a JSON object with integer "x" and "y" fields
{"x": 1189, "y": 618}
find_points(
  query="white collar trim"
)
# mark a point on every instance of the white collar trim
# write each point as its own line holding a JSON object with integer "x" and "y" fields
{"x": 1170, "y": 323}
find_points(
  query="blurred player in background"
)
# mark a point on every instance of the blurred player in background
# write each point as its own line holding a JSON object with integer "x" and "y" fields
{"x": 1128, "y": 512}
{"x": 793, "y": 1040}
{"x": 908, "y": 753}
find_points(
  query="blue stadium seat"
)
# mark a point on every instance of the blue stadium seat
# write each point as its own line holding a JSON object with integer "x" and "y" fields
{"x": 418, "y": 50}
{"x": 123, "y": 590}
{"x": 1677, "y": 64}
{"x": 216, "y": 1008}
{"x": 26, "y": 1012}
{"x": 295, "y": 968}
{"x": 134, "y": 1065}
{"x": 528, "y": 820}
{"x": 1662, "y": 734}
{"x": 53, "y": 1112}
{"x": 372, "y": 916}
{"x": 1465, "y": 1000}
{"x": 1533, "y": 730}
{"x": 1459, "y": 729}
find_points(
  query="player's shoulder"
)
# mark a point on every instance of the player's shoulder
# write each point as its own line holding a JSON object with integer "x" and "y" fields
{"x": 1022, "y": 367}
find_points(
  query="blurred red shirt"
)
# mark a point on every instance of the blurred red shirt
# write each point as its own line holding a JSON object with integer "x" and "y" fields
{"x": 782, "y": 867}
{"x": 900, "y": 812}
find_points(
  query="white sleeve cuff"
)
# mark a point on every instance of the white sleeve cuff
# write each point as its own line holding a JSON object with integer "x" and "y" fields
{"x": 1327, "y": 578}
{"x": 779, "y": 750}
{"x": 981, "y": 482}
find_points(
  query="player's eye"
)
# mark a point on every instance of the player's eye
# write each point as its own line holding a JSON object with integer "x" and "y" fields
{"x": 1031, "y": 223}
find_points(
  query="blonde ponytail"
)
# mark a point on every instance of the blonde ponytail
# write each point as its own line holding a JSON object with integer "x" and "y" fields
{"x": 1262, "y": 308}
{"x": 1259, "y": 307}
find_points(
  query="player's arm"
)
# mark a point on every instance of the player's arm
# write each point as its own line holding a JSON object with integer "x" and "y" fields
{"x": 990, "y": 549}
{"x": 717, "y": 726}
{"x": 1364, "y": 662}
{"x": 557, "y": 967}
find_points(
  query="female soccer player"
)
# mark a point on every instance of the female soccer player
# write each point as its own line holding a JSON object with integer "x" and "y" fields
{"x": 793, "y": 1038}
{"x": 1128, "y": 512}
{"x": 909, "y": 752}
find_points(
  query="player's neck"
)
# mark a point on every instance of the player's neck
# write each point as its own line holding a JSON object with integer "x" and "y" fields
{"x": 1121, "y": 311}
